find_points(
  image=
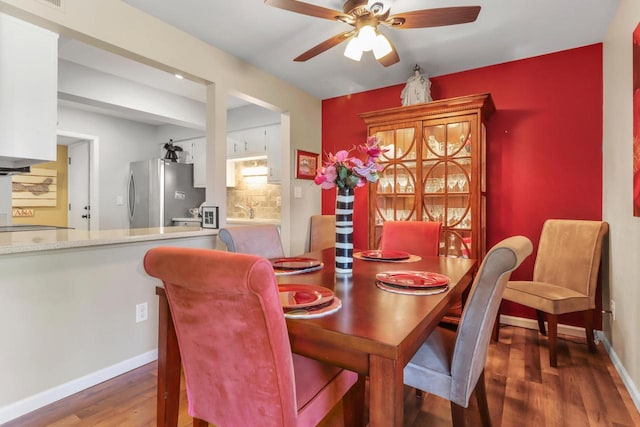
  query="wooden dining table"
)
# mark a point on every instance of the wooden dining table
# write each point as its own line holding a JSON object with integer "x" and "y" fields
{"x": 375, "y": 333}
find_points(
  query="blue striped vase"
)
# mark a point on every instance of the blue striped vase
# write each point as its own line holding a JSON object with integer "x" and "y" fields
{"x": 344, "y": 230}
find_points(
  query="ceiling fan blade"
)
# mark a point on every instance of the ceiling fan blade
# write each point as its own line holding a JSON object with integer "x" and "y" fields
{"x": 434, "y": 17}
{"x": 310, "y": 9}
{"x": 391, "y": 57}
{"x": 325, "y": 45}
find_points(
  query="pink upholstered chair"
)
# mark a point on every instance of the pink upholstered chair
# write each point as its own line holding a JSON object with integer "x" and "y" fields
{"x": 416, "y": 237}
{"x": 256, "y": 239}
{"x": 419, "y": 238}
{"x": 451, "y": 364}
{"x": 234, "y": 345}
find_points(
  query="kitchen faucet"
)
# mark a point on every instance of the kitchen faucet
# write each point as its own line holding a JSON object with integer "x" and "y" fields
{"x": 251, "y": 212}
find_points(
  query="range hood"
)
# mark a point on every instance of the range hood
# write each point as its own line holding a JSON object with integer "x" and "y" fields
{"x": 12, "y": 171}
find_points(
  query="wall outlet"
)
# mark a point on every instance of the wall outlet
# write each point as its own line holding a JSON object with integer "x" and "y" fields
{"x": 142, "y": 312}
{"x": 612, "y": 307}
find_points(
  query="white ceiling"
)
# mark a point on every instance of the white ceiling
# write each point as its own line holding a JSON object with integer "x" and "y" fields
{"x": 270, "y": 38}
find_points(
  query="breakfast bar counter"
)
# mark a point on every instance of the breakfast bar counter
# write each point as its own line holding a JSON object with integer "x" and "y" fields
{"x": 41, "y": 240}
{"x": 77, "y": 308}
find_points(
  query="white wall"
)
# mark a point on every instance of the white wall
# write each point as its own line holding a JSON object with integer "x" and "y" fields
{"x": 93, "y": 87}
{"x": 624, "y": 235}
{"x": 166, "y": 132}
{"x": 121, "y": 142}
{"x": 250, "y": 116}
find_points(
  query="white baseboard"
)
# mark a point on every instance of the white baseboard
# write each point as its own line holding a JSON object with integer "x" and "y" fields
{"x": 521, "y": 322}
{"x": 624, "y": 375}
{"x": 31, "y": 403}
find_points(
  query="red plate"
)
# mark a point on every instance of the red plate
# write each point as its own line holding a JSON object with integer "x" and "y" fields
{"x": 294, "y": 263}
{"x": 413, "y": 279}
{"x": 411, "y": 291}
{"x": 303, "y": 296}
{"x": 385, "y": 255}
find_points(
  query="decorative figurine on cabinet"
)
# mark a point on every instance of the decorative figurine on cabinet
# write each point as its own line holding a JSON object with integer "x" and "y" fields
{"x": 417, "y": 90}
{"x": 172, "y": 150}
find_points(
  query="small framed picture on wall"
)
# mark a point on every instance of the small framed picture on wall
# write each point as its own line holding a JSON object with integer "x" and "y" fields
{"x": 306, "y": 164}
{"x": 210, "y": 217}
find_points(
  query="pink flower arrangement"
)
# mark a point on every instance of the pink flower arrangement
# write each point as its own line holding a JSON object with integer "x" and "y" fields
{"x": 346, "y": 171}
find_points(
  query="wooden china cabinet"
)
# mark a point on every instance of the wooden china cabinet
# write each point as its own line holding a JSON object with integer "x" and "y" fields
{"x": 434, "y": 170}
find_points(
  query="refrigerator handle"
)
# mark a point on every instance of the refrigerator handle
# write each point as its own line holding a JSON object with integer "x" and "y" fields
{"x": 131, "y": 197}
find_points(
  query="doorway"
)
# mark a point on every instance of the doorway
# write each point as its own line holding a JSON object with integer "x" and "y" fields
{"x": 82, "y": 180}
{"x": 79, "y": 216}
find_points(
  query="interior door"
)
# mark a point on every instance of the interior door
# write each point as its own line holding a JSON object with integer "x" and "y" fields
{"x": 79, "y": 185}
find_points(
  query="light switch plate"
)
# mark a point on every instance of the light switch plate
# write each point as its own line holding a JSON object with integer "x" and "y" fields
{"x": 297, "y": 192}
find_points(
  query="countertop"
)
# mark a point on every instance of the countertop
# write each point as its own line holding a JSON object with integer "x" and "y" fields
{"x": 32, "y": 241}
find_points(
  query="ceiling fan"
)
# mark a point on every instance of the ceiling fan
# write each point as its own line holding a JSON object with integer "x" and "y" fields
{"x": 364, "y": 16}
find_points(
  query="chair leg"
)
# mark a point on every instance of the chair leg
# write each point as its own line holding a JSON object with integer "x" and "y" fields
{"x": 553, "y": 335}
{"x": 541, "y": 327}
{"x": 457, "y": 415}
{"x": 481, "y": 398}
{"x": 588, "y": 327}
{"x": 353, "y": 404}
{"x": 197, "y": 422}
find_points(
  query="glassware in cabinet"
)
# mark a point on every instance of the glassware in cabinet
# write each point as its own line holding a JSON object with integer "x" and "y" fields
{"x": 433, "y": 170}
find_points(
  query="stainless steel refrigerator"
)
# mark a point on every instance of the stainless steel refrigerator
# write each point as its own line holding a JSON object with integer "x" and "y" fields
{"x": 159, "y": 191}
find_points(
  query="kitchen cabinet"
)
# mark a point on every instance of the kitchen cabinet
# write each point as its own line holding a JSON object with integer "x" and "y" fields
{"x": 258, "y": 141}
{"x": 434, "y": 170}
{"x": 198, "y": 148}
{"x": 274, "y": 153}
{"x": 247, "y": 142}
{"x": 28, "y": 93}
{"x": 193, "y": 152}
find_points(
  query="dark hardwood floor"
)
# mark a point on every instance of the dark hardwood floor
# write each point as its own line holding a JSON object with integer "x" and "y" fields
{"x": 523, "y": 390}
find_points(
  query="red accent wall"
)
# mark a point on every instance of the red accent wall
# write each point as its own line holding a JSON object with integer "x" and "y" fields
{"x": 544, "y": 143}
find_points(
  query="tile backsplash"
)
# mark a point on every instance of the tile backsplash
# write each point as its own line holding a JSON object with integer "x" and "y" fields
{"x": 253, "y": 192}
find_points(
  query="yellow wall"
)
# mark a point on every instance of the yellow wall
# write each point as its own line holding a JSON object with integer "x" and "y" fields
{"x": 52, "y": 215}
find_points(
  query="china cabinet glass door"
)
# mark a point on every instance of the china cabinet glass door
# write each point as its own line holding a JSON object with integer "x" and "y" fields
{"x": 447, "y": 183}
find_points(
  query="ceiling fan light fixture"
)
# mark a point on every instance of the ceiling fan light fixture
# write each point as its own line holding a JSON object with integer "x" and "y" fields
{"x": 367, "y": 37}
{"x": 381, "y": 46}
{"x": 378, "y": 7}
{"x": 353, "y": 49}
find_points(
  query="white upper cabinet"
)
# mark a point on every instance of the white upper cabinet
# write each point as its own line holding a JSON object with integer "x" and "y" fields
{"x": 274, "y": 153}
{"x": 198, "y": 153}
{"x": 28, "y": 93}
{"x": 258, "y": 141}
{"x": 247, "y": 142}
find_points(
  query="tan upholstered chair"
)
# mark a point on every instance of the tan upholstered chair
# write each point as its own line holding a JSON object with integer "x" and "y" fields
{"x": 451, "y": 364}
{"x": 565, "y": 276}
{"x": 322, "y": 232}
{"x": 258, "y": 239}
